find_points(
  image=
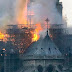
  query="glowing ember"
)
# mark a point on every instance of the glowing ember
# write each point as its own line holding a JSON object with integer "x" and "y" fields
{"x": 3, "y": 49}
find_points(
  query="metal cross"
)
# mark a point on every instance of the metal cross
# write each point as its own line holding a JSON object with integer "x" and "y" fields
{"x": 47, "y": 20}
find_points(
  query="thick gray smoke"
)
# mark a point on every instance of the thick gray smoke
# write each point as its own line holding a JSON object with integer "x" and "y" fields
{"x": 42, "y": 9}
{"x": 7, "y": 12}
{"x": 46, "y": 9}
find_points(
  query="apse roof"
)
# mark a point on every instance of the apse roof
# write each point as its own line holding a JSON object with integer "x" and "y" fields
{"x": 43, "y": 47}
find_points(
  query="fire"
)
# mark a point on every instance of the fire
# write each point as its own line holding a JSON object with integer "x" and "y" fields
{"x": 36, "y": 35}
{"x": 1, "y": 36}
{"x": 24, "y": 18}
{"x": 23, "y": 15}
{"x": 22, "y": 12}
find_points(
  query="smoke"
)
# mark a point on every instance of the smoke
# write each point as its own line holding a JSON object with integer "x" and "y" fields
{"x": 7, "y": 13}
{"x": 46, "y": 9}
{"x": 43, "y": 9}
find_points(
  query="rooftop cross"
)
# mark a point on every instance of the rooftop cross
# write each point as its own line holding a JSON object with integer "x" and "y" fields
{"x": 47, "y": 20}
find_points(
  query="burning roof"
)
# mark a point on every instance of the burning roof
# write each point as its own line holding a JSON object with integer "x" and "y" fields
{"x": 43, "y": 47}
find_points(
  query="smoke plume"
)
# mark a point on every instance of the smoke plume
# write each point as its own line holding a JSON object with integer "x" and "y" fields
{"x": 42, "y": 9}
{"x": 46, "y": 9}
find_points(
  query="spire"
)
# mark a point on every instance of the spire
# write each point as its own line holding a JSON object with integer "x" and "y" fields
{"x": 47, "y": 20}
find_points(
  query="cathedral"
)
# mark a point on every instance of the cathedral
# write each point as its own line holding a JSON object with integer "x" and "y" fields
{"x": 42, "y": 56}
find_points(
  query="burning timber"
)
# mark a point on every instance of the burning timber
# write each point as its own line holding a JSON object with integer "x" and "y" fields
{"x": 21, "y": 37}
{"x": 20, "y": 34}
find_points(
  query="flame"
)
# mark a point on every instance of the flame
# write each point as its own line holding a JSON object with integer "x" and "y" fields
{"x": 36, "y": 35}
{"x": 1, "y": 36}
{"x": 23, "y": 16}
{"x": 22, "y": 12}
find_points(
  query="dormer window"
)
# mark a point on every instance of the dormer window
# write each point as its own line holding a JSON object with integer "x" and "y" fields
{"x": 55, "y": 48}
{"x": 41, "y": 48}
{"x": 49, "y": 49}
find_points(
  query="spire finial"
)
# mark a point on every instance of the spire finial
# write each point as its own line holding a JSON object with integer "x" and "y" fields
{"x": 47, "y": 20}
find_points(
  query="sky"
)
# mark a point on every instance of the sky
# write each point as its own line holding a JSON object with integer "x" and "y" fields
{"x": 4, "y": 6}
{"x": 67, "y": 11}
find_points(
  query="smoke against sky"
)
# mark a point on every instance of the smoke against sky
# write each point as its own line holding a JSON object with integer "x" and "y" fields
{"x": 7, "y": 8}
{"x": 3, "y": 11}
{"x": 41, "y": 8}
{"x": 46, "y": 9}
{"x": 67, "y": 11}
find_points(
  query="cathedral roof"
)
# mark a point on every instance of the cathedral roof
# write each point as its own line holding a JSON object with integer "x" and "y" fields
{"x": 43, "y": 47}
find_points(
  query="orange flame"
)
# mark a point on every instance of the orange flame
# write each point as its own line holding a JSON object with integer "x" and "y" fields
{"x": 36, "y": 35}
{"x": 23, "y": 16}
{"x": 22, "y": 19}
{"x": 22, "y": 12}
{"x": 1, "y": 36}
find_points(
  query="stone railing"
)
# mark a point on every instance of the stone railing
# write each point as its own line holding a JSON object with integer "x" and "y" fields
{"x": 25, "y": 57}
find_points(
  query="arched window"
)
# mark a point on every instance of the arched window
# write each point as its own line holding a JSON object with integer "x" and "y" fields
{"x": 40, "y": 68}
{"x": 49, "y": 68}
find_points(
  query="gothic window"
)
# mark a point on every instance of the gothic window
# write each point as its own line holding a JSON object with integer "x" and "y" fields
{"x": 40, "y": 68}
{"x": 49, "y": 68}
{"x": 49, "y": 49}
